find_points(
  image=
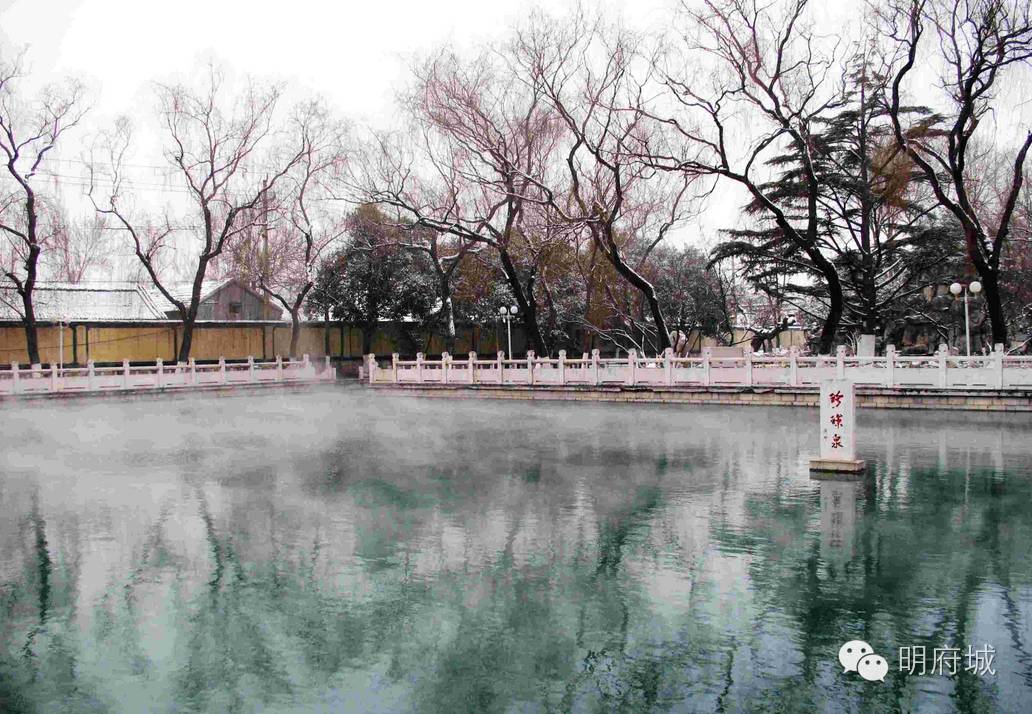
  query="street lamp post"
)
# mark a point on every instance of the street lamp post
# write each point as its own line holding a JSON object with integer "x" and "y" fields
{"x": 507, "y": 314}
{"x": 974, "y": 288}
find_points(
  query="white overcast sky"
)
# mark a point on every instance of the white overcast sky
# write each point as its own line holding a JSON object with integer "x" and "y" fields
{"x": 354, "y": 54}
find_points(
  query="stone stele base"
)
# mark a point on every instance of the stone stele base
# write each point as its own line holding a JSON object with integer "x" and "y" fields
{"x": 852, "y": 466}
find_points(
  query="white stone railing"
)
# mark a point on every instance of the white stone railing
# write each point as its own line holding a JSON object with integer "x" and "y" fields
{"x": 177, "y": 376}
{"x": 938, "y": 371}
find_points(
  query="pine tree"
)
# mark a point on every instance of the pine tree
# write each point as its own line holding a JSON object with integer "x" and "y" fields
{"x": 874, "y": 224}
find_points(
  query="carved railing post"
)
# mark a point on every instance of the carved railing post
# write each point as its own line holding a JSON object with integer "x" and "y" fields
{"x": 996, "y": 360}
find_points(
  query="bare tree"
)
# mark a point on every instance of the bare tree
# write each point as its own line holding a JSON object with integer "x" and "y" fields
{"x": 980, "y": 43}
{"x": 445, "y": 254}
{"x": 479, "y": 138}
{"x": 213, "y": 148}
{"x": 586, "y": 72}
{"x": 29, "y": 132}
{"x": 290, "y": 230}
{"x": 771, "y": 81}
{"x": 78, "y": 247}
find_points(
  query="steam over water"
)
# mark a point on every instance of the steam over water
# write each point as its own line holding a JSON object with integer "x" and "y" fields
{"x": 342, "y": 550}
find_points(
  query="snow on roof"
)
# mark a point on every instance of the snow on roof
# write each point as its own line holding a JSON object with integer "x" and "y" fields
{"x": 82, "y": 302}
{"x": 182, "y": 291}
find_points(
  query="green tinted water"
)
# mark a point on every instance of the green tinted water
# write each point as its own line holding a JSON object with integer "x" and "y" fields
{"x": 344, "y": 551}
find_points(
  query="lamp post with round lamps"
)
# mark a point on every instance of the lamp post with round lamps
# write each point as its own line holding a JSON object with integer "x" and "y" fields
{"x": 508, "y": 314}
{"x": 974, "y": 287}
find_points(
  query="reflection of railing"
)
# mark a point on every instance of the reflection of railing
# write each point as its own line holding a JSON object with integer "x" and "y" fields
{"x": 179, "y": 376}
{"x": 938, "y": 371}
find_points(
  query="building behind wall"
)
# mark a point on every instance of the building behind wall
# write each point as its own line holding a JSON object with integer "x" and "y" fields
{"x": 223, "y": 301}
{"x": 109, "y": 323}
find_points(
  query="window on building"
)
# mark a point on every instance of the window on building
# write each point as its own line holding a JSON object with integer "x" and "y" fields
{"x": 235, "y": 308}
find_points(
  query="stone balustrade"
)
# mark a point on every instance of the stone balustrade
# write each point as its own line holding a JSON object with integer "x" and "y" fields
{"x": 940, "y": 371}
{"x": 26, "y": 380}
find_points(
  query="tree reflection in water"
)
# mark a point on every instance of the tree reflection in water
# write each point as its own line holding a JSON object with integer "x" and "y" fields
{"x": 499, "y": 557}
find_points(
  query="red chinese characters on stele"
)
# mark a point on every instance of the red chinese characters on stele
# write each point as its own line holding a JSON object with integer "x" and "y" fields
{"x": 837, "y": 427}
{"x": 835, "y": 398}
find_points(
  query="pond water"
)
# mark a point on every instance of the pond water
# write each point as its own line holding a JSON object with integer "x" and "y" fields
{"x": 343, "y": 550}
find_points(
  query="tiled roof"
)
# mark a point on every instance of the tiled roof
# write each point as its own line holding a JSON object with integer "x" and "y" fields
{"x": 82, "y": 302}
{"x": 181, "y": 291}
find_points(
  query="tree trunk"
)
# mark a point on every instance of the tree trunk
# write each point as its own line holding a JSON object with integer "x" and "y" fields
{"x": 326, "y": 332}
{"x": 648, "y": 292}
{"x": 449, "y": 325}
{"x": 831, "y": 322}
{"x": 525, "y": 302}
{"x": 31, "y": 332}
{"x": 190, "y": 316}
{"x": 994, "y": 305}
{"x": 295, "y": 332}
{"x": 368, "y": 330}
{"x": 184, "y": 346}
{"x": 990, "y": 285}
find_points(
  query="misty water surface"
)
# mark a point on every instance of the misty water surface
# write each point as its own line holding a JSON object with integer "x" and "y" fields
{"x": 345, "y": 551}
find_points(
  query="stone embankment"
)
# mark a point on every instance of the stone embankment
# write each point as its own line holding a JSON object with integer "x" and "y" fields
{"x": 867, "y": 397}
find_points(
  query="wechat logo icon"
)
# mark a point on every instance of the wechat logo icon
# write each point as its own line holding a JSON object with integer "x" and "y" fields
{"x": 858, "y": 656}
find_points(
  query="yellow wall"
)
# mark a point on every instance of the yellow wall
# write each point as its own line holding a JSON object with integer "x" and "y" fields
{"x": 12, "y": 344}
{"x": 228, "y": 342}
{"x": 146, "y": 343}
{"x": 114, "y": 344}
